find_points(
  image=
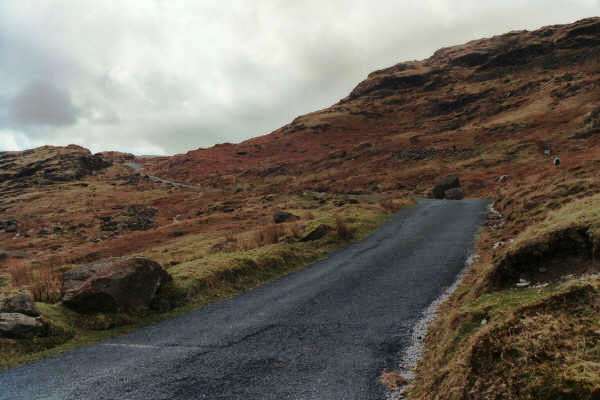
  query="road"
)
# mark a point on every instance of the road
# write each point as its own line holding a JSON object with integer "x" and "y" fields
{"x": 322, "y": 333}
{"x": 137, "y": 167}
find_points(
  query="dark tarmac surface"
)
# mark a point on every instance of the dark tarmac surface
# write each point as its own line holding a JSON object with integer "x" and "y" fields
{"x": 323, "y": 333}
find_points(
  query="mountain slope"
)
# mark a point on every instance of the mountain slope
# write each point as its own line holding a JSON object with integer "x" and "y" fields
{"x": 486, "y": 108}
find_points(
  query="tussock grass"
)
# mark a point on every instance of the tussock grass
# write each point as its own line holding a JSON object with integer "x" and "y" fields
{"x": 541, "y": 342}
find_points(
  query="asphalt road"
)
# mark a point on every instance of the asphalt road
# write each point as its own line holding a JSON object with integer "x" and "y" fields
{"x": 322, "y": 333}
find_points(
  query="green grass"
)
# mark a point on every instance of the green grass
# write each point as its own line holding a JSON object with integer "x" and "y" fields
{"x": 199, "y": 278}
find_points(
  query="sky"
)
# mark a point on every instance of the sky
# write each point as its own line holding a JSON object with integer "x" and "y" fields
{"x": 168, "y": 76}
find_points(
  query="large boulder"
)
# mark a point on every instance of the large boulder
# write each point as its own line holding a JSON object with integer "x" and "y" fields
{"x": 283, "y": 216}
{"x": 21, "y": 326}
{"x": 447, "y": 183}
{"x": 454, "y": 194}
{"x": 117, "y": 284}
{"x": 21, "y": 302}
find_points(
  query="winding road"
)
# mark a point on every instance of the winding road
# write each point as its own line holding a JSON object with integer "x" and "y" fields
{"x": 325, "y": 332}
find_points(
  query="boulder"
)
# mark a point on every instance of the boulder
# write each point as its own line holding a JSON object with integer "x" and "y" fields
{"x": 21, "y": 303}
{"x": 283, "y": 216}
{"x": 447, "y": 183}
{"x": 21, "y": 326}
{"x": 317, "y": 233}
{"x": 117, "y": 284}
{"x": 454, "y": 194}
{"x": 8, "y": 226}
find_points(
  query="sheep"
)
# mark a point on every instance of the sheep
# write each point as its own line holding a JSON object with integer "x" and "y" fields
{"x": 556, "y": 161}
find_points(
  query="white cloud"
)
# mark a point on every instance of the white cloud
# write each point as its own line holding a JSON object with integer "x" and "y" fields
{"x": 166, "y": 76}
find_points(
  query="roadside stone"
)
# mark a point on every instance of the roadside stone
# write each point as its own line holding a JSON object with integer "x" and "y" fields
{"x": 21, "y": 326}
{"x": 317, "y": 233}
{"x": 454, "y": 194}
{"x": 443, "y": 185}
{"x": 116, "y": 284}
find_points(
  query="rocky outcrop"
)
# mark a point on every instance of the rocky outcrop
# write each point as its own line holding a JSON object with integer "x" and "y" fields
{"x": 48, "y": 164}
{"x": 9, "y": 225}
{"x": 133, "y": 218}
{"x": 118, "y": 284}
{"x": 317, "y": 233}
{"x": 21, "y": 326}
{"x": 447, "y": 183}
{"x": 284, "y": 216}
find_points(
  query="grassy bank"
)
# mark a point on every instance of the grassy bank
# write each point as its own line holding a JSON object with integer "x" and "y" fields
{"x": 207, "y": 268}
{"x": 524, "y": 323}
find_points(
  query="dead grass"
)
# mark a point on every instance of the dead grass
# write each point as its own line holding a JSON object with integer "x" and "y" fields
{"x": 392, "y": 380}
{"x": 44, "y": 282}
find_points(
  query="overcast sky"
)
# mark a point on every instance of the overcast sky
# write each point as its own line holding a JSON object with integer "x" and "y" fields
{"x": 167, "y": 76}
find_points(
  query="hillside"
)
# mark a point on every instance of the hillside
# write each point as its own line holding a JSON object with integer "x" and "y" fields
{"x": 484, "y": 109}
{"x": 494, "y": 112}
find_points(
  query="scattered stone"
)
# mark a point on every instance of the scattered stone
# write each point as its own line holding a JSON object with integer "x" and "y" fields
{"x": 21, "y": 326}
{"x": 284, "y": 216}
{"x": 134, "y": 218}
{"x": 9, "y": 226}
{"x": 449, "y": 182}
{"x": 503, "y": 178}
{"x": 454, "y": 194}
{"x": 484, "y": 322}
{"x": 497, "y": 245}
{"x": 523, "y": 283}
{"x": 317, "y": 233}
{"x": 113, "y": 285}
{"x": 21, "y": 303}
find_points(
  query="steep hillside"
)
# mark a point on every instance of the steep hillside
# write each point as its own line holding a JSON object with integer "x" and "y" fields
{"x": 487, "y": 108}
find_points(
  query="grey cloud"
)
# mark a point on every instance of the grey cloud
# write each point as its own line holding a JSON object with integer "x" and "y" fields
{"x": 41, "y": 103}
{"x": 168, "y": 76}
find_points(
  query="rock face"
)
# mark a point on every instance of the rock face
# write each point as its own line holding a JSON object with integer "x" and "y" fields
{"x": 48, "y": 164}
{"x": 283, "y": 216}
{"x": 449, "y": 182}
{"x": 20, "y": 326}
{"x": 119, "y": 284}
{"x": 21, "y": 303}
{"x": 134, "y": 218}
{"x": 454, "y": 194}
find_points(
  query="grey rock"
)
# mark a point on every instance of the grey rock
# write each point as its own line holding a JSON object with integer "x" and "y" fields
{"x": 443, "y": 185}
{"x": 454, "y": 194}
{"x": 20, "y": 326}
{"x": 21, "y": 303}
{"x": 317, "y": 233}
{"x": 116, "y": 284}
